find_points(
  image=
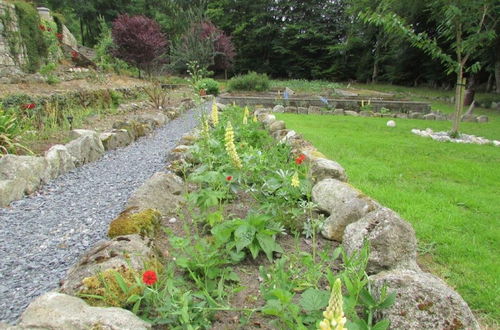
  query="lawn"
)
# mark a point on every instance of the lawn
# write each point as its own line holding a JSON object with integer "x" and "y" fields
{"x": 449, "y": 192}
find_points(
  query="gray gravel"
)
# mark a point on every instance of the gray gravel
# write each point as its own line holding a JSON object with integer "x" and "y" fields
{"x": 42, "y": 235}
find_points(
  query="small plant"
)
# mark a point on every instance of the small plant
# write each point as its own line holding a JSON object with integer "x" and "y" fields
{"x": 9, "y": 130}
{"x": 254, "y": 234}
{"x": 384, "y": 111}
{"x": 158, "y": 98}
{"x": 249, "y": 82}
{"x": 208, "y": 85}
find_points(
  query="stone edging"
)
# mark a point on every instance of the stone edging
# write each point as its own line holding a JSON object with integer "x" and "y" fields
{"x": 423, "y": 300}
{"x": 20, "y": 175}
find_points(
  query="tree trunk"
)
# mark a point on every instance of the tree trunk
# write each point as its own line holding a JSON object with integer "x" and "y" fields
{"x": 497, "y": 73}
{"x": 459, "y": 102}
{"x": 489, "y": 83}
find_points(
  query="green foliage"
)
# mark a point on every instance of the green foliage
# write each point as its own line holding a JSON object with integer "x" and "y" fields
{"x": 9, "y": 131}
{"x": 104, "y": 60}
{"x": 253, "y": 234}
{"x": 210, "y": 86}
{"x": 249, "y": 82}
{"x": 32, "y": 37}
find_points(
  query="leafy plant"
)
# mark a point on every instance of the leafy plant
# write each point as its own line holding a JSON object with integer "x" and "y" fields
{"x": 254, "y": 234}
{"x": 158, "y": 97}
{"x": 210, "y": 86}
{"x": 9, "y": 130}
{"x": 249, "y": 82}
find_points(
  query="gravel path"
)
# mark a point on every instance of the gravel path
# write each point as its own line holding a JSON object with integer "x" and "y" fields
{"x": 42, "y": 235}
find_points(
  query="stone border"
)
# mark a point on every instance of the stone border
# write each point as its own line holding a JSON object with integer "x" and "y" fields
{"x": 341, "y": 103}
{"x": 423, "y": 301}
{"x": 20, "y": 175}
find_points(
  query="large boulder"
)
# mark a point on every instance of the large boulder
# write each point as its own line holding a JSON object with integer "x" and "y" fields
{"x": 86, "y": 148}
{"x": 163, "y": 192}
{"x": 322, "y": 168}
{"x": 135, "y": 129}
{"x": 59, "y": 311}
{"x": 423, "y": 301}
{"x": 28, "y": 172}
{"x": 11, "y": 190}
{"x": 115, "y": 139}
{"x": 279, "y": 108}
{"x": 267, "y": 119}
{"x": 60, "y": 160}
{"x": 392, "y": 240}
{"x": 344, "y": 203}
{"x": 129, "y": 251}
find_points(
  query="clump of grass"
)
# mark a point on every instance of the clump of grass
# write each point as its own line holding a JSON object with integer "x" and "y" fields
{"x": 249, "y": 82}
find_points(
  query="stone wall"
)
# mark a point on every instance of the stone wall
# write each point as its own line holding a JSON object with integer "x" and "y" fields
{"x": 9, "y": 27}
{"x": 346, "y": 104}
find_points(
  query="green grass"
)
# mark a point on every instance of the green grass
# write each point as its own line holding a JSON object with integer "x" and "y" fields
{"x": 305, "y": 86}
{"x": 449, "y": 192}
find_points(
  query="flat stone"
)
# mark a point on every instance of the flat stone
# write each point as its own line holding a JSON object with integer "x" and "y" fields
{"x": 279, "y": 108}
{"x": 290, "y": 110}
{"x": 423, "y": 301}
{"x": 162, "y": 192}
{"x": 338, "y": 112}
{"x": 314, "y": 110}
{"x": 429, "y": 116}
{"x": 322, "y": 168}
{"x": 482, "y": 119}
{"x": 60, "y": 311}
{"x": 117, "y": 138}
{"x": 416, "y": 115}
{"x": 276, "y": 126}
{"x": 302, "y": 110}
{"x": 351, "y": 113}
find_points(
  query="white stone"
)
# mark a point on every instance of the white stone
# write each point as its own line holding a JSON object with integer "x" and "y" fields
{"x": 391, "y": 123}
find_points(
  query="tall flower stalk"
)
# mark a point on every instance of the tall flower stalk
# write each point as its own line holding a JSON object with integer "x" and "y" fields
{"x": 246, "y": 113}
{"x": 214, "y": 115}
{"x": 230, "y": 147}
{"x": 334, "y": 314}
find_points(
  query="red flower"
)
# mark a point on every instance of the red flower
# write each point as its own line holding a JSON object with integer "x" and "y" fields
{"x": 300, "y": 159}
{"x": 74, "y": 54}
{"x": 59, "y": 36}
{"x": 149, "y": 277}
{"x": 28, "y": 106}
{"x": 229, "y": 178}
{"x": 41, "y": 27}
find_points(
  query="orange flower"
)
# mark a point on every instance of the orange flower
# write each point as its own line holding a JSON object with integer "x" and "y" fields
{"x": 149, "y": 277}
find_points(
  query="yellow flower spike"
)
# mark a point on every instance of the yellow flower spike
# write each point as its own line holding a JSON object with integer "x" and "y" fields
{"x": 206, "y": 129}
{"x": 362, "y": 103}
{"x": 369, "y": 102}
{"x": 230, "y": 147}
{"x": 215, "y": 114}
{"x": 334, "y": 315}
{"x": 295, "y": 180}
{"x": 254, "y": 118}
{"x": 246, "y": 113}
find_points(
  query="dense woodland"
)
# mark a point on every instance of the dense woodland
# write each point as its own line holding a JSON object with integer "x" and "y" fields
{"x": 318, "y": 39}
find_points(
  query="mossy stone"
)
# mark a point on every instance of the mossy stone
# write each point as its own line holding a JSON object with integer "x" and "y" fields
{"x": 127, "y": 223}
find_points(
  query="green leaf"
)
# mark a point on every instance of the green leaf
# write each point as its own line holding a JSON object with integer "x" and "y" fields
{"x": 388, "y": 302}
{"x": 382, "y": 325}
{"x": 254, "y": 249}
{"x": 283, "y": 295}
{"x": 267, "y": 244}
{"x": 244, "y": 236}
{"x": 366, "y": 298}
{"x": 273, "y": 307}
{"x": 313, "y": 299}
{"x": 121, "y": 283}
{"x": 222, "y": 233}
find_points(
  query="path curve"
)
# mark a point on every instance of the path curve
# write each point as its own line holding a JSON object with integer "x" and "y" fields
{"x": 42, "y": 235}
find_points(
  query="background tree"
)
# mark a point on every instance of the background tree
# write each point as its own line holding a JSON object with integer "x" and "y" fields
{"x": 466, "y": 28}
{"x": 138, "y": 40}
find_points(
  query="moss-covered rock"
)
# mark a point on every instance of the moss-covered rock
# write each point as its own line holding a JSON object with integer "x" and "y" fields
{"x": 127, "y": 223}
{"x": 111, "y": 288}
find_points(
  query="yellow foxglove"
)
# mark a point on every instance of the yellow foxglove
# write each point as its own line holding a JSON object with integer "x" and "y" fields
{"x": 362, "y": 103}
{"x": 215, "y": 114}
{"x": 254, "y": 118}
{"x": 295, "y": 180}
{"x": 206, "y": 129}
{"x": 230, "y": 147}
{"x": 334, "y": 314}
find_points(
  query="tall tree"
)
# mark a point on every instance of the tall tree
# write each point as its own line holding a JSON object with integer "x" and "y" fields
{"x": 466, "y": 27}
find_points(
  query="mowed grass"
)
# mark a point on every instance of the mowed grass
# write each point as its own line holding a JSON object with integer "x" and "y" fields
{"x": 449, "y": 192}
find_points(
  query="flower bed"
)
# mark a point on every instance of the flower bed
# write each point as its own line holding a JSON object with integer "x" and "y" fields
{"x": 238, "y": 242}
